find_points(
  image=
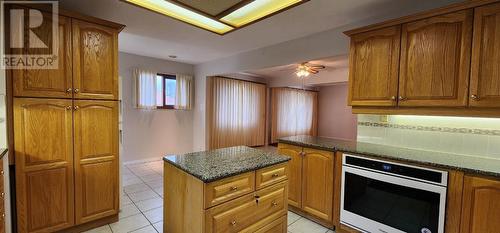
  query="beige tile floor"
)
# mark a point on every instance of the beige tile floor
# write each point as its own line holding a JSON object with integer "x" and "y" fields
{"x": 141, "y": 209}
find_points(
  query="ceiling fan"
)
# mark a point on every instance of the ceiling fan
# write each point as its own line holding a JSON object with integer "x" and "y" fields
{"x": 305, "y": 69}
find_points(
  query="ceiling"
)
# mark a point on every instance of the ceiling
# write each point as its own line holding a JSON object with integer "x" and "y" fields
{"x": 154, "y": 35}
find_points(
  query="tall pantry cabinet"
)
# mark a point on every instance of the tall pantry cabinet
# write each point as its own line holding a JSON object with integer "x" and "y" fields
{"x": 65, "y": 131}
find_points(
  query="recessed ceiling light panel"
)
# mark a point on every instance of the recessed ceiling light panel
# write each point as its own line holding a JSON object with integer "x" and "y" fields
{"x": 256, "y": 10}
{"x": 183, "y": 14}
{"x": 242, "y": 13}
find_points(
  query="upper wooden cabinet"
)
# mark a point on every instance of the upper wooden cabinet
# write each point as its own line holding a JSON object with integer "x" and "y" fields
{"x": 485, "y": 70}
{"x": 95, "y": 61}
{"x": 447, "y": 63}
{"x": 56, "y": 83}
{"x": 435, "y": 58}
{"x": 481, "y": 205}
{"x": 88, "y": 64}
{"x": 373, "y": 69}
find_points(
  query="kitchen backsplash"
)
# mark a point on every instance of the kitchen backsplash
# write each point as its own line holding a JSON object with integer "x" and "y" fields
{"x": 461, "y": 135}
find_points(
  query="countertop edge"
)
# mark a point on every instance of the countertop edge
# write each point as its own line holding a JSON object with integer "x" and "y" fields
{"x": 393, "y": 158}
{"x": 226, "y": 175}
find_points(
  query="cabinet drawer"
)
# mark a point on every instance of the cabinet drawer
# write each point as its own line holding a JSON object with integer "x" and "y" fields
{"x": 271, "y": 175}
{"x": 246, "y": 212}
{"x": 228, "y": 189}
{"x": 278, "y": 226}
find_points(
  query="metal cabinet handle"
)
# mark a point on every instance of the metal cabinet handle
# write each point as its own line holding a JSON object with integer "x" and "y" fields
{"x": 233, "y": 223}
{"x": 393, "y": 97}
{"x": 68, "y": 107}
{"x": 401, "y": 98}
{"x": 69, "y": 90}
{"x": 233, "y": 188}
{"x": 274, "y": 204}
{"x": 76, "y": 108}
{"x": 474, "y": 97}
{"x": 76, "y": 90}
{"x": 275, "y": 175}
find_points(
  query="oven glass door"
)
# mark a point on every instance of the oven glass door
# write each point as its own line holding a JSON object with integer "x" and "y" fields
{"x": 378, "y": 202}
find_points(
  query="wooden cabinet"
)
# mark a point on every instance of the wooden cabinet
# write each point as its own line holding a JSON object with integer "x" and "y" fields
{"x": 311, "y": 181}
{"x": 96, "y": 159}
{"x": 447, "y": 63}
{"x": 66, "y": 148}
{"x": 480, "y": 205}
{"x": 294, "y": 174}
{"x": 485, "y": 68}
{"x": 242, "y": 206}
{"x": 2, "y": 196}
{"x": 44, "y": 164}
{"x": 95, "y": 61}
{"x": 435, "y": 58}
{"x": 56, "y": 83}
{"x": 374, "y": 67}
{"x": 317, "y": 184}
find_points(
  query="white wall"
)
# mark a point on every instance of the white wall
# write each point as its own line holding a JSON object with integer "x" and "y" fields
{"x": 152, "y": 134}
{"x": 335, "y": 118}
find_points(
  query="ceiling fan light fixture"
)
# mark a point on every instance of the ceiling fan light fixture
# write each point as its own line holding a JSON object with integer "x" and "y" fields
{"x": 302, "y": 71}
{"x": 172, "y": 10}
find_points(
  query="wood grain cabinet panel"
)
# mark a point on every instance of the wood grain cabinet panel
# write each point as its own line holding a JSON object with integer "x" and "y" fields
{"x": 374, "y": 66}
{"x": 56, "y": 83}
{"x": 278, "y": 226}
{"x": 485, "y": 69}
{"x": 435, "y": 61}
{"x": 481, "y": 205}
{"x": 294, "y": 173}
{"x": 95, "y": 61}
{"x": 44, "y": 164}
{"x": 96, "y": 159}
{"x": 317, "y": 194}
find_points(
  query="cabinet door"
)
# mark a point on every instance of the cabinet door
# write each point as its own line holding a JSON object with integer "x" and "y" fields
{"x": 317, "y": 194}
{"x": 481, "y": 205}
{"x": 435, "y": 61}
{"x": 485, "y": 70}
{"x": 47, "y": 82}
{"x": 95, "y": 51}
{"x": 44, "y": 164}
{"x": 96, "y": 159}
{"x": 374, "y": 66}
{"x": 294, "y": 173}
{"x": 278, "y": 226}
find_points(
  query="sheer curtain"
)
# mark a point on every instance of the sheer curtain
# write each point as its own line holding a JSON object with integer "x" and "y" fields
{"x": 236, "y": 113}
{"x": 294, "y": 112}
{"x": 145, "y": 83}
{"x": 184, "y": 92}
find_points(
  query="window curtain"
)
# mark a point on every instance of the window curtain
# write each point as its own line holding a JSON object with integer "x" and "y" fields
{"x": 145, "y": 82}
{"x": 236, "y": 113}
{"x": 294, "y": 112}
{"x": 184, "y": 92}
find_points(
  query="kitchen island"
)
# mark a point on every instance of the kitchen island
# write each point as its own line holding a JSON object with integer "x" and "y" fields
{"x": 236, "y": 189}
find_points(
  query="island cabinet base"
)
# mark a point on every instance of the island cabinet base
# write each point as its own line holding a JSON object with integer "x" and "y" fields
{"x": 255, "y": 201}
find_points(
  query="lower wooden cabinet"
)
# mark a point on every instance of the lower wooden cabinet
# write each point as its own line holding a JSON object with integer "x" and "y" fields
{"x": 480, "y": 205}
{"x": 66, "y": 162}
{"x": 311, "y": 177}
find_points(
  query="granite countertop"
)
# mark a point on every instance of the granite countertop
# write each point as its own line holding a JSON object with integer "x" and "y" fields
{"x": 209, "y": 166}
{"x": 466, "y": 163}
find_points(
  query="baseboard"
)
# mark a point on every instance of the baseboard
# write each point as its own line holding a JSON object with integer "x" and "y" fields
{"x": 142, "y": 161}
{"x": 91, "y": 225}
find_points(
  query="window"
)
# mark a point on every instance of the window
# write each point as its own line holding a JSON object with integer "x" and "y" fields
{"x": 165, "y": 91}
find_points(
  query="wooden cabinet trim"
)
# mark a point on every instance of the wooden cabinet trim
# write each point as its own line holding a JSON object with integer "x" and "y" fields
{"x": 221, "y": 191}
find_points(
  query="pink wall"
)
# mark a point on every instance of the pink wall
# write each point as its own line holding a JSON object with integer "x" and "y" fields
{"x": 335, "y": 118}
